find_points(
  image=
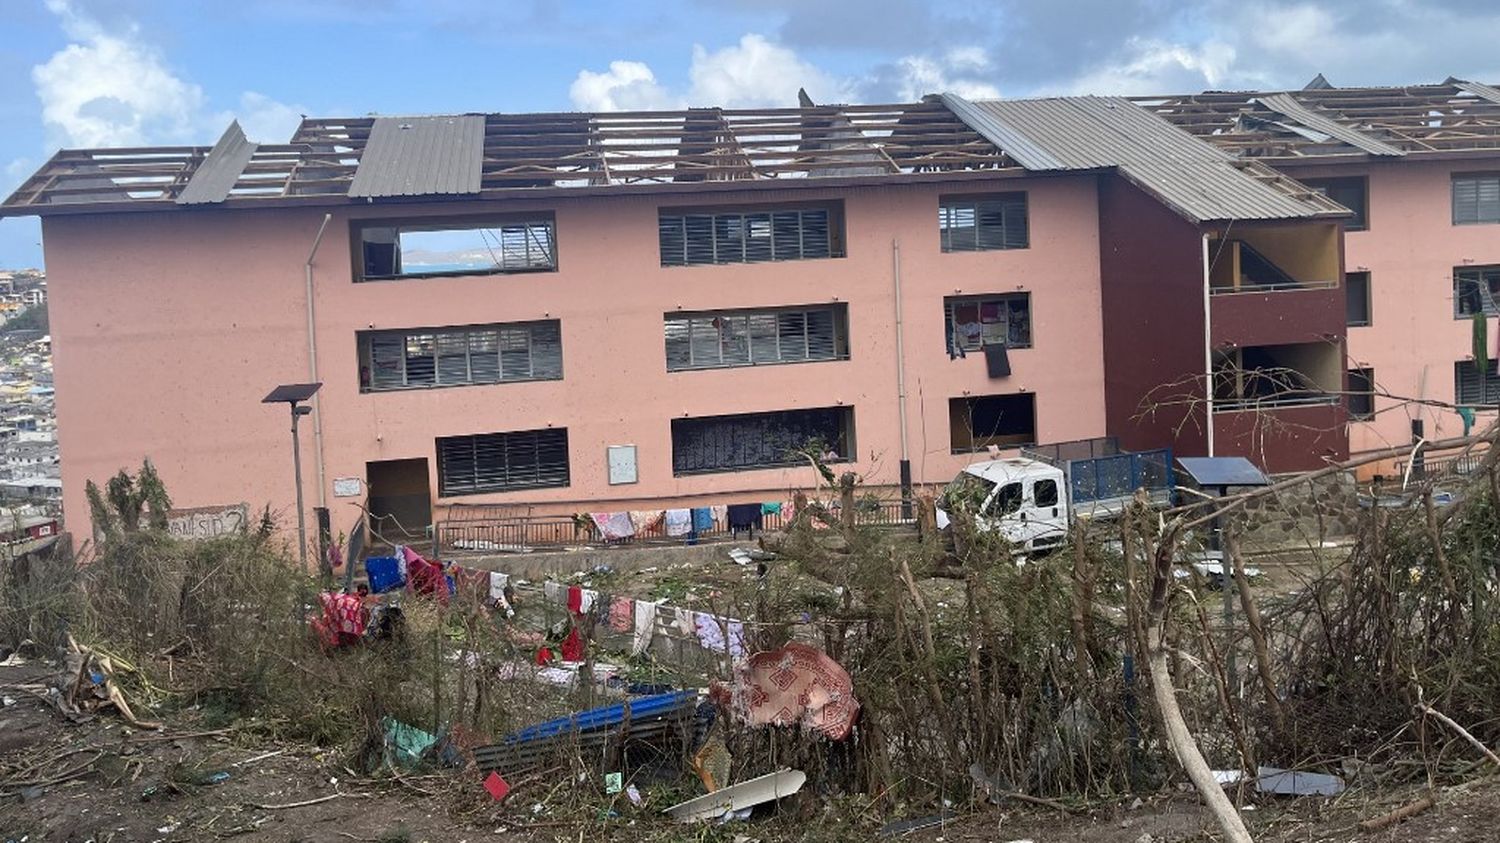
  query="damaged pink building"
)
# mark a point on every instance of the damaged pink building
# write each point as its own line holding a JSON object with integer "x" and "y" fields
{"x": 603, "y": 312}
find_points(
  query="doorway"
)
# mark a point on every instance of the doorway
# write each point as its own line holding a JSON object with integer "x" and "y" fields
{"x": 400, "y": 499}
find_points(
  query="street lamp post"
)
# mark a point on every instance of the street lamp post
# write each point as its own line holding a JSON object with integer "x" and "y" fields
{"x": 293, "y": 395}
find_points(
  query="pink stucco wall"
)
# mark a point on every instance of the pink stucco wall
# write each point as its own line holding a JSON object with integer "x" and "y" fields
{"x": 1410, "y": 249}
{"x": 169, "y": 328}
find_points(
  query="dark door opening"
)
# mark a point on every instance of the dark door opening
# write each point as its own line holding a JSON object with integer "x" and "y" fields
{"x": 400, "y": 499}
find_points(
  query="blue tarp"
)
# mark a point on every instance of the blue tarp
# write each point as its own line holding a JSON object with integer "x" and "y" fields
{"x": 602, "y": 718}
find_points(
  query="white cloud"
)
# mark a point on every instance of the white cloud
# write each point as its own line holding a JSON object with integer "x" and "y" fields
{"x": 1149, "y": 66}
{"x": 626, "y": 86}
{"x": 757, "y": 72}
{"x": 751, "y": 73}
{"x": 961, "y": 70}
{"x": 264, "y": 119}
{"x": 111, "y": 88}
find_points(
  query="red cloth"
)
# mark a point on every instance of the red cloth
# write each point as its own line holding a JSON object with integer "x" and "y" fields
{"x": 621, "y": 614}
{"x": 796, "y": 684}
{"x": 343, "y": 620}
{"x": 575, "y": 599}
{"x": 425, "y": 577}
{"x": 543, "y": 657}
{"x": 572, "y": 647}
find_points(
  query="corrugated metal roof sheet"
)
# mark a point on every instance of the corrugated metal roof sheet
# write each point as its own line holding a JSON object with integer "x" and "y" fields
{"x": 1194, "y": 178}
{"x": 217, "y": 175}
{"x": 1478, "y": 89}
{"x": 1287, "y": 106}
{"x": 421, "y": 156}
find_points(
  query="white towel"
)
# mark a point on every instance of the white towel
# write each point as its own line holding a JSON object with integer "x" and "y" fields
{"x": 586, "y": 599}
{"x": 645, "y": 626}
{"x": 684, "y": 620}
{"x": 679, "y": 522}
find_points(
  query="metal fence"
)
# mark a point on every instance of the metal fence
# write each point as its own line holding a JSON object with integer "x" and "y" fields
{"x": 470, "y": 533}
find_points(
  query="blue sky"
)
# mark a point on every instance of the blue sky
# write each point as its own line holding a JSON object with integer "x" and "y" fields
{"x": 121, "y": 72}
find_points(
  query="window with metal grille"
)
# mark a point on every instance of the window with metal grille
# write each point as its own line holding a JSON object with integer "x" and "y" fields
{"x": 979, "y": 223}
{"x": 498, "y": 462}
{"x": 1473, "y": 390}
{"x": 447, "y": 247}
{"x": 1357, "y": 310}
{"x": 761, "y": 440}
{"x": 750, "y": 235}
{"x": 728, "y": 338}
{"x": 1352, "y": 192}
{"x": 1476, "y": 198}
{"x": 474, "y": 354}
{"x": 972, "y": 322}
{"x": 1476, "y": 289}
{"x": 1361, "y": 394}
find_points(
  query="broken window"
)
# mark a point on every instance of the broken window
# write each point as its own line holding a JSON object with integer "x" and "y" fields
{"x": 973, "y": 322}
{"x": 1269, "y": 376}
{"x": 1473, "y": 389}
{"x": 749, "y": 236}
{"x": 1361, "y": 394}
{"x": 1352, "y": 192}
{"x": 1476, "y": 198}
{"x": 1476, "y": 289}
{"x": 476, "y": 354}
{"x": 1007, "y": 501}
{"x": 497, "y": 462}
{"x": 980, "y": 223}
{"x": 1357, "y": 309}
{"x": 421, "y": 250}
{"x": 979, "y": 421}
{"x": 761, "y": 440}
{"x": 754, "y": 337}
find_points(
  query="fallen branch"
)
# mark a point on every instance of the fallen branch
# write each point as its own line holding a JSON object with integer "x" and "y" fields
{"x": 1179, "y": 737}
{"x": 1037, "y": 800}
{"x": 329, "y": 798}
{"x": 184, "y": 735}
{"x": 1462, "y": 732}
{"x": 1410, "y": 809}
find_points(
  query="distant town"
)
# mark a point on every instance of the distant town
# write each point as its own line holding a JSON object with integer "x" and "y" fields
{"x": 30, "y": 478}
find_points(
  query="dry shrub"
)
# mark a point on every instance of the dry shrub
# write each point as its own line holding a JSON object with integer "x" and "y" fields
{"x": 38, "y": 598}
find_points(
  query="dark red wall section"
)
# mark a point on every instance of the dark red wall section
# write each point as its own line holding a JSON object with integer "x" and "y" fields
{"x": 1279, "y": 318}
{"x": 1285, "y": 439}
{"x": 1151, "y": 279}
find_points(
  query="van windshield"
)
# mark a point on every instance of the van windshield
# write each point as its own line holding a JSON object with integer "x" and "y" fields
{"x": 966, "y": 493}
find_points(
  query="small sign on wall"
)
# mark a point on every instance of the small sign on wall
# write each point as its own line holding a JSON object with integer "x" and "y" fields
{"x": 207, "y": 522}
{"x": 347, "y": 487}
{"x": 621, "y": 464}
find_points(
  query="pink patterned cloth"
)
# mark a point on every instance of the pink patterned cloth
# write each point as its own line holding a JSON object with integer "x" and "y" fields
{"x": 797, "y": 684}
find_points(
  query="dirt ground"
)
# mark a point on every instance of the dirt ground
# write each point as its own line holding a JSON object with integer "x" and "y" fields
{"x": 105, "y": 782}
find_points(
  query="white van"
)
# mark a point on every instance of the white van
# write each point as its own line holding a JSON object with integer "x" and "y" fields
{"x": 1026, "y": 500}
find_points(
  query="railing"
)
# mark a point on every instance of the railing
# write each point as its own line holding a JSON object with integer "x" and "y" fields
{"x": 1230, "y": 405}
{"x": 1272, "y": 288}
{"x": 527, "y": 533}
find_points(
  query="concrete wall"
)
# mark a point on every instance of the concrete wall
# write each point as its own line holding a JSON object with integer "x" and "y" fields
{"x": 1410, "y": 249}
{"x": 170, "y": 327}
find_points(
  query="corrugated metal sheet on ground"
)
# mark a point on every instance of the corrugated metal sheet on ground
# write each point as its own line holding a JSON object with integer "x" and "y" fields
{"x": 1198, "y": 180}
{"x": 219, "y": 172}
{"x": 421, "y": 156}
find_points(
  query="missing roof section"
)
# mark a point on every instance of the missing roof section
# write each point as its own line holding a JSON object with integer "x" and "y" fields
{"x": 421, "y": 156}
{"x": 1453, "y": 117}
{"x": 1195, "y": 179}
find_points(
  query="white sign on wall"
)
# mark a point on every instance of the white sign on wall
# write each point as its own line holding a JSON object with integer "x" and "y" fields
{"x": 347, "y": 487}
{"x": 207, "y": 522}
{"x": 621, "y": 464}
